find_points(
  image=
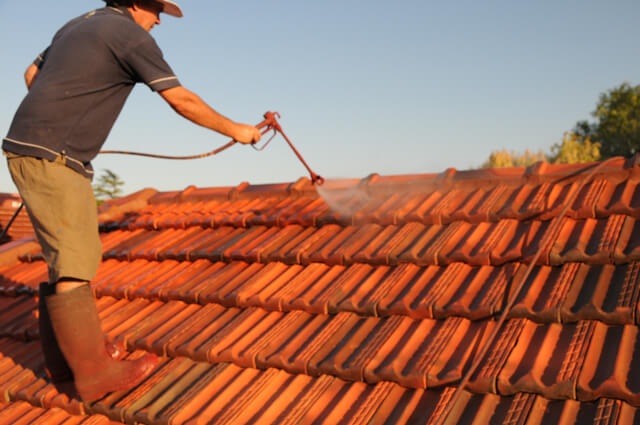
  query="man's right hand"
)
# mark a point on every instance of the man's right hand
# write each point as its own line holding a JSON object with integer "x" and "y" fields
{"x": 247, "y": 134}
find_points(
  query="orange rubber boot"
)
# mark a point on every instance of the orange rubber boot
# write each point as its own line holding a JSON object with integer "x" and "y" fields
{"x": 77, "y": 330}
{"x": 57, "y": 367}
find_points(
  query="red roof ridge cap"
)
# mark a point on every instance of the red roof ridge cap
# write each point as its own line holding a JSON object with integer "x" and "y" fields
{"x": 447, "y": 176}
{"x": 244, "y": 190}
{"x": 365, "y": 183}
{"x": 534, "y": 174}
{"x": 301, "y": 187}
{"x": 543, "y": 172}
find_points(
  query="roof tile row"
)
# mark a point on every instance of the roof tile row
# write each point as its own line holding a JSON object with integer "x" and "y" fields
{"x": 614, "y": 240}
{"x": 184, "y": 391}
{"x": 23, "y": 413}
{"x": 585, "y": 360}
{"x": 600, "y": 198}
{"x": 564, "y": 294}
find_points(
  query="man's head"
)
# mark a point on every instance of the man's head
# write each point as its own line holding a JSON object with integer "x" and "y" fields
{"x": 146, "y": 13}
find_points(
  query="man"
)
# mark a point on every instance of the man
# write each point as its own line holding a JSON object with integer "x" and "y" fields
{"x": 77, "y": 88}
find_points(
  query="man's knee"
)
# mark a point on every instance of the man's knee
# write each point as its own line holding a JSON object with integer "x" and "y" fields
{"x": 68, "y": 284}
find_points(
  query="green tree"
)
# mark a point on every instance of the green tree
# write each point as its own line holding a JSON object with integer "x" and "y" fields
{"x": 574, "y": 149}
{"x": 108, "y": 186}
{"x": 617, "y": 125}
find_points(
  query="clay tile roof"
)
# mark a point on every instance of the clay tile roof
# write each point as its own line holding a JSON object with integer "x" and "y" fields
{"x": 21, "y": 226}
{"x": 364, "y": 302}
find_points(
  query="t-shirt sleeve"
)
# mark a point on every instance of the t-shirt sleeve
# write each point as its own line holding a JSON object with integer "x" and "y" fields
{"x": 148, "y": 63}
{"x": 39, "y": 61}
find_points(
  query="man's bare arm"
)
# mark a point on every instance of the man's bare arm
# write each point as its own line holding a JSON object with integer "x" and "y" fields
{"x": 30, "y": 75}
{"x": 190, "y": 106}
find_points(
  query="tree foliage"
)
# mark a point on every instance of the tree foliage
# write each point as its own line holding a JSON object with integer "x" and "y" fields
{"x": 617, "y": 125}
{"x": 574, "y": 149}
{"x": 615, "y": 132}
{"x": 108, "y": 186}
{"x": 504, "y": 159}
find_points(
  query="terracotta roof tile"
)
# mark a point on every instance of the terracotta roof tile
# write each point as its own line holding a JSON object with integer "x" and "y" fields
{"x": 272, "y": 304}
{"x": 23, "y": 413}
{"x": 21, "y": 226}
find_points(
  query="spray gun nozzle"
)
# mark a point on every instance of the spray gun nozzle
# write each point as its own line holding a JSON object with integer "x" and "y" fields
{"x": 316, "y": 179}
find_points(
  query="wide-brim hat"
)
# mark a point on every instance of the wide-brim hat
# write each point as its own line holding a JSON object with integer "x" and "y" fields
{"x": 171, "y": 8}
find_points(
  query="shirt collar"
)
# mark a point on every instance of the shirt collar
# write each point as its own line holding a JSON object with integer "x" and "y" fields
{"x": 121, "y": 10}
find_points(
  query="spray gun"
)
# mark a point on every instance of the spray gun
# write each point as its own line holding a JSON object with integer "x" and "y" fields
{"x": 270, "y": 123}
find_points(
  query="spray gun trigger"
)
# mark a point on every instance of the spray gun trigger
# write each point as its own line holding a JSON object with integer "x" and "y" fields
{"x": 275, "y": 133}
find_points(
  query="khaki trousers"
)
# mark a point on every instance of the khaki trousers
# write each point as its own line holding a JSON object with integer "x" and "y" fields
{"x": 63, "y": 211}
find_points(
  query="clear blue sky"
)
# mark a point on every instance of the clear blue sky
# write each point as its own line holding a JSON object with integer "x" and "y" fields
{"x": 363, "y": 86}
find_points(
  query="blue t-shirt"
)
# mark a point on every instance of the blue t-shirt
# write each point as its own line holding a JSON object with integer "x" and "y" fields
{"x": 84, "y": 79}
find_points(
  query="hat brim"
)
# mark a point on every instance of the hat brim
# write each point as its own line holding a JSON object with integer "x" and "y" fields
{"x": 171, "y": 8}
